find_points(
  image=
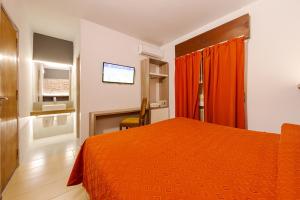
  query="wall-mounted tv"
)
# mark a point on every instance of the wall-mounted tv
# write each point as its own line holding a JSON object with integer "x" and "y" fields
{"x": 113, "y": 73}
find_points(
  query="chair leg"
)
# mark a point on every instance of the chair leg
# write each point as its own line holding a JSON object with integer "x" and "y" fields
{"x": 120, "y": 127}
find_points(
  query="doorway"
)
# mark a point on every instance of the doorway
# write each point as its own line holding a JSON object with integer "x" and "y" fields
{"x": 54, "y": 96}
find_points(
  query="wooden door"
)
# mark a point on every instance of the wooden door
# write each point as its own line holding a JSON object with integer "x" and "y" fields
{"x": 8, "y": 95}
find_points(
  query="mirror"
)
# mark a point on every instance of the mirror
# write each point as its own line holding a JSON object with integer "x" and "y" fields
{"x": 52, "y": 82}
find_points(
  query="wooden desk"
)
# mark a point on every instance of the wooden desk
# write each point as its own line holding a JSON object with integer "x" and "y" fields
{"x": 106, "y": 114}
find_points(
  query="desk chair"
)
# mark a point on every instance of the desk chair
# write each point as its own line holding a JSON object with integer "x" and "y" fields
{"x": 136, "y": 121}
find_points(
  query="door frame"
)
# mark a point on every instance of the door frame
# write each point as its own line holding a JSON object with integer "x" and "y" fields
{"x": 78, "y": 113}
{"x": 2, "y": 7}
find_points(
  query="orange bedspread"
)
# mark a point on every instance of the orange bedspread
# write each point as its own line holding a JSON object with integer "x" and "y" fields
{"x": 183, "y": 159}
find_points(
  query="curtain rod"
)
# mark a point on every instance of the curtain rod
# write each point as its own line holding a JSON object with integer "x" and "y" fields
{"x": 200, "y": 50}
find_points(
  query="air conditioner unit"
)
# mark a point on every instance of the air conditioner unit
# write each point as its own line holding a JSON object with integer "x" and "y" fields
{"x": 151, "y": 51}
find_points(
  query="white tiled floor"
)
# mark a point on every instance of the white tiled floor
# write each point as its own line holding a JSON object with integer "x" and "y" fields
{"x": 45, "y": 170}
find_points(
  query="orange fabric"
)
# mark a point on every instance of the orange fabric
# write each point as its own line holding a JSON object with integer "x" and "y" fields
{"x": 223, "y": 67}
{"x": 289, "y": 163}
{"x": 187, "y": 76}
{"x": 188, "y": 160}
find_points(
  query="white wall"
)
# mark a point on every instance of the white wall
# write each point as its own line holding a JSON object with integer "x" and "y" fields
{"x": 16, "y": 13}
{"x": 273, "y": 62}
{"x": 99, "y": 44}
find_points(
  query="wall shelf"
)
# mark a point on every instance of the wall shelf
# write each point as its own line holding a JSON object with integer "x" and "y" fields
{"x": 51, "y": 112}
{"x": 160, "y": 107}
{"x": 157, "y": 75}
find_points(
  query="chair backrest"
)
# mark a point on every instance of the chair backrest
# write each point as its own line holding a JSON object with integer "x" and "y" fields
{"x": 143, "y": 111}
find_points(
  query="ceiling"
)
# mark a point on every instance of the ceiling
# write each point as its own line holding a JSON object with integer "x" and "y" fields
{"x": 154, "y": 21}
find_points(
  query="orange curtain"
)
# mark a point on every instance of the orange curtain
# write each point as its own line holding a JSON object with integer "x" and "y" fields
{"x": 223, "y": 67}
{"x": 187, "y": 76}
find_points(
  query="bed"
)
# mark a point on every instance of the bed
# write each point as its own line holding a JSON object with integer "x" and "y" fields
{"x": 183, "y": 159}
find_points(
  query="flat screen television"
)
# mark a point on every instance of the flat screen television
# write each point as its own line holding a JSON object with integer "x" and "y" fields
{"x": 113, "y": 73}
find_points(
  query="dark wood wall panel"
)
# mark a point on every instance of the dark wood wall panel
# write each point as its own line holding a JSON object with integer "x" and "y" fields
{"x": 230, "y": 30}
{"x": 50, "y": 49}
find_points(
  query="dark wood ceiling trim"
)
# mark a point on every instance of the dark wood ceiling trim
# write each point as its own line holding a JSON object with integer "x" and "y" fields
{"x": 235, "y": 28}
